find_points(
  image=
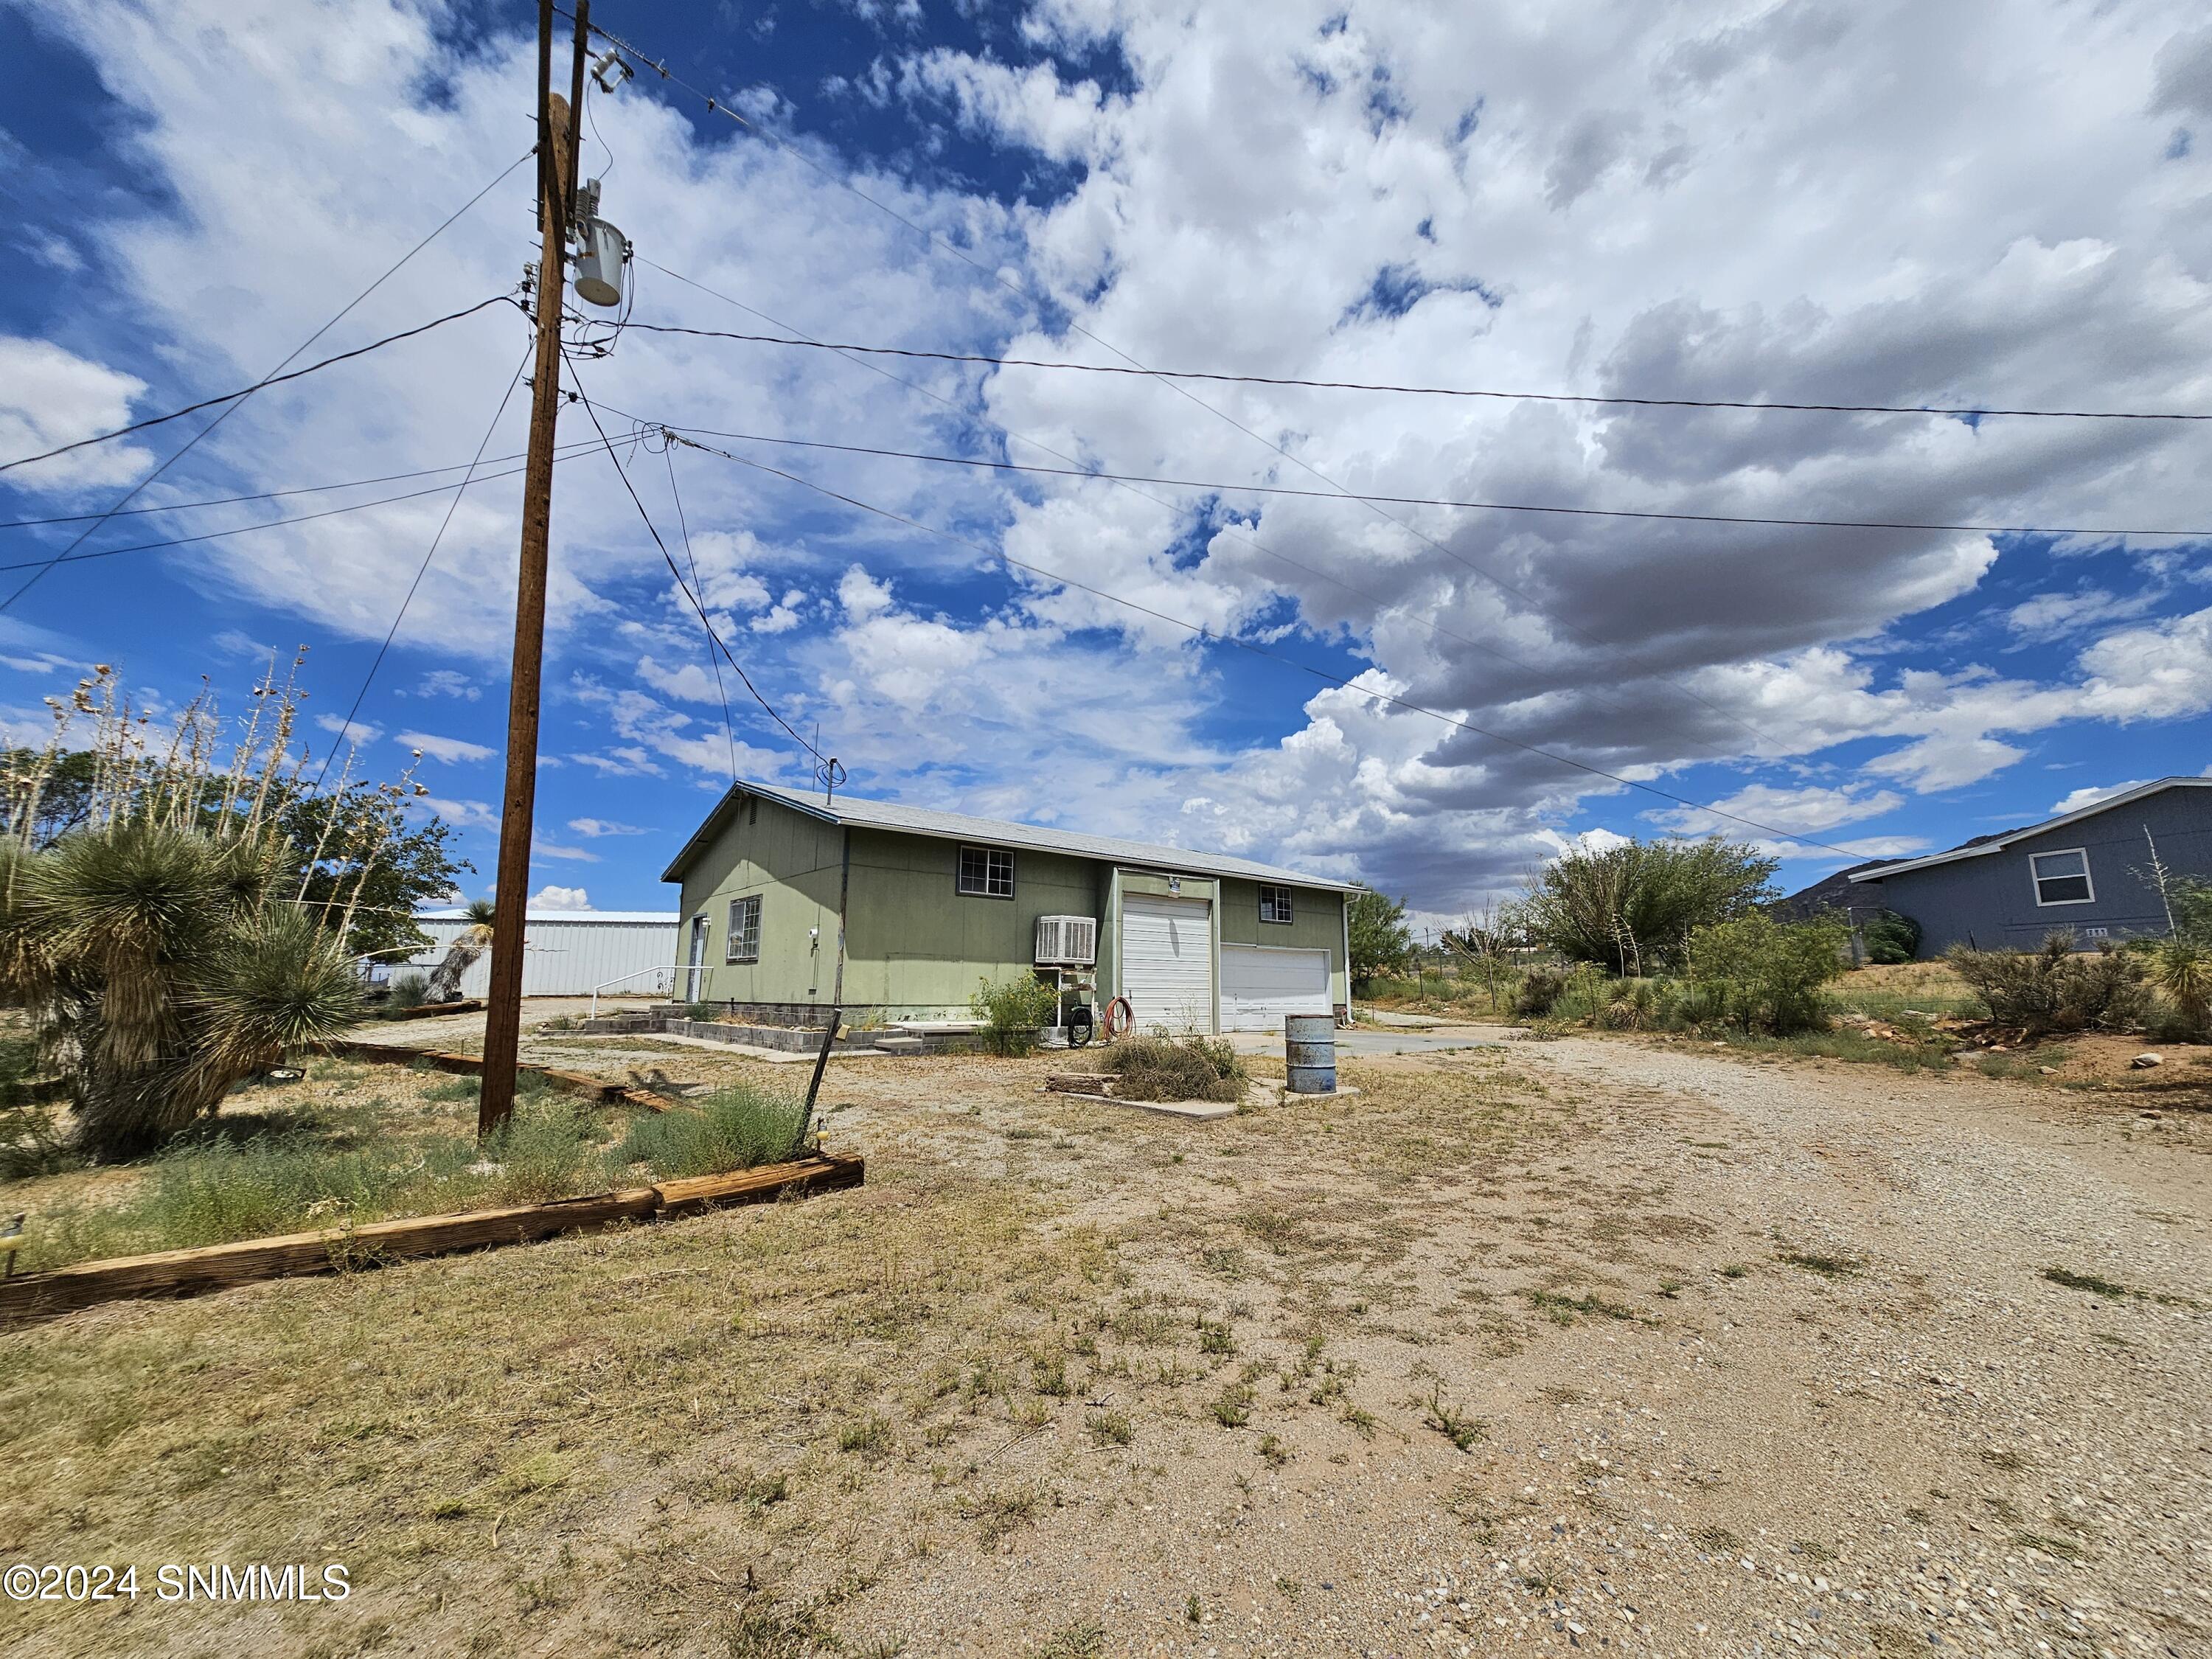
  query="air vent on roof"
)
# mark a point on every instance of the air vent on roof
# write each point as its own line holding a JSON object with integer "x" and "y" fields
{"x": 1066, "y": 942}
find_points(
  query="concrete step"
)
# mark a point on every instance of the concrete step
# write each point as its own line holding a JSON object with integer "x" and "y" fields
{"x": 899, "y": 1045}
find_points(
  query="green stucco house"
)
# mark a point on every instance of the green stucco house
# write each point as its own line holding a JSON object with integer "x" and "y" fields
{"x": 893, "y": 913}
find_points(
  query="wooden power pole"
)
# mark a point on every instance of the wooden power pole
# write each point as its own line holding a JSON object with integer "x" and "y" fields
{"x": 556, "y": 181}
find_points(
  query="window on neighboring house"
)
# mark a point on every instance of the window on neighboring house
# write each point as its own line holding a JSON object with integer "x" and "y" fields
{"x": 2060, "y": 878}
{"x": 987, "y": 872}
{"x": 1274, "y": 904}
{"x": 743, "y": 943}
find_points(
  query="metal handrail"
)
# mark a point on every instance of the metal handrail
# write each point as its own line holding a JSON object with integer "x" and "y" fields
{"x": 625, "y": 980}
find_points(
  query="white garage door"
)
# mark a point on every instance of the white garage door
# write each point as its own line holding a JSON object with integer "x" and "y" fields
{"x": 1260, "y": 984}
{"x": 1167, "y": 949}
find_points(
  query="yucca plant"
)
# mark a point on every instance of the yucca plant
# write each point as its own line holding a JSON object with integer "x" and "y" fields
{"x": 471, "y": 943}
{"x": 2182, "y": 971}
{"x": 164, "y": 949}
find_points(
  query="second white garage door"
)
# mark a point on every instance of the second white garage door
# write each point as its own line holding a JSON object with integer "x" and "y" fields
{"x": 1259, "y": 984}
{"x": 1167, "y": 972}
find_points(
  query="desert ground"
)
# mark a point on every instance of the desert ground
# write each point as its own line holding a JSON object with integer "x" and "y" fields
{"x": 1526, "y": 1348}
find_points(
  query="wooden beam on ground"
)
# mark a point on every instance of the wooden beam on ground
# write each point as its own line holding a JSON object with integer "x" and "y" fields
{"x": 218, "y": 1267}
{"x": 390, "y": 1054}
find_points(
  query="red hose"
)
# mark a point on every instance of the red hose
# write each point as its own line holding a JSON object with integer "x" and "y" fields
{"x": 1112, "y": 1027}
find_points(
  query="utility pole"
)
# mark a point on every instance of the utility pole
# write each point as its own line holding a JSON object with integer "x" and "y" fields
{"x": 556, "y": 185}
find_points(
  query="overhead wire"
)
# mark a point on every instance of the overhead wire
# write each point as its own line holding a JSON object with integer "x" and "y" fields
{"x": 683, "y": 523}
{"x": 1000, "y": 360}
{"x": 1203, "y": 632}
{"x": 230, "y": 409}
{"x": 261, "y": 383}
{"x": 1235, "y": 532}
{"x": 423, "y": 568}
{"x": 65, "y": 556}
{"x": 938, "y": 242}
{"x": 704, "y": 621}
{"x": 1000, "y": 279}
{"x": 1222, "y": 487}
{"x": 258, "y": 496}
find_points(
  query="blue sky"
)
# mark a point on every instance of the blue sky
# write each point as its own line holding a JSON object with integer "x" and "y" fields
{"x": 1899, "y": 204}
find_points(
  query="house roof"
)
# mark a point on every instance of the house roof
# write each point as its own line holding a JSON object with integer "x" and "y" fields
{"x": 1981, "y": 846}
{"x": 850, "y": 810}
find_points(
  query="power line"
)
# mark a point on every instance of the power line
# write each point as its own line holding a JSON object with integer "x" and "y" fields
{"x": 65, "y": 556}
{"x": 258, "y": 495}
{"x": 1216, "y": 487}
{"x": 229, "y": 410}
{"x": 1204, "y": 633}
{"x": 259, "y": 385}
{"x": 729, "y": 729}
{"x": 669, "y": 560}
{"x": 1076, "y": 469}
{"x": 994, "y": 361}
{"x": 423, "y": 569}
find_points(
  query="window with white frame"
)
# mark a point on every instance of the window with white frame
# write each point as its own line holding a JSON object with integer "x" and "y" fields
{"x": 987, "y": 872}
{"x": 1274, "y": 904}
{"x": 742, "y": 942}
{"x": 2061, "y": 877}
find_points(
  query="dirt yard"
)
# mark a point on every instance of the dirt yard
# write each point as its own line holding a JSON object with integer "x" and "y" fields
{"x": 1543, "y": 1348}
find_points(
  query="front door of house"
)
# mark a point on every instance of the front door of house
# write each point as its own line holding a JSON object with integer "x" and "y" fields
{"x": 697, "y": 961}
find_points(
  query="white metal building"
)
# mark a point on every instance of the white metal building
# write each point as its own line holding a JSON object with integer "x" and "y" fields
{"x": 569, "y": 953}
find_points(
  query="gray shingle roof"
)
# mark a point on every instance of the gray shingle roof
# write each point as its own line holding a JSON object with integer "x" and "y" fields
{"x": 955, "y": 826}
{"x": 1982, "y": 845}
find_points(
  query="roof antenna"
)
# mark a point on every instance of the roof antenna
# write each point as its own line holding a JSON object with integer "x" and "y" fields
{"x": 827, "y": 772}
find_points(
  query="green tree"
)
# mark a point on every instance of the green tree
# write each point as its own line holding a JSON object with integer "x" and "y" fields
{"x": 1633, "y": 907}
{"x": 352, "y": 870}
{"x": 1381, "y": 942}
{"x": 62, "y": 802}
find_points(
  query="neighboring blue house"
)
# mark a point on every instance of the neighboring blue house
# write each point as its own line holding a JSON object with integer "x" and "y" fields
{"x": 2087, "y": 872}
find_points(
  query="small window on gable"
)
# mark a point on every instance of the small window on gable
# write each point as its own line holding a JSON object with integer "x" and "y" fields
{"x": 2061, "y": 877}
{"x": 743, "y": 941}
{"x": 1274, "y": 904}
{"x": 987, "y": 872}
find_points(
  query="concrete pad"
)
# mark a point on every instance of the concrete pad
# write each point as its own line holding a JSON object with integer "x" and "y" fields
{"x": 1401, "y": 1021}
{"x": 1356, "y": 1045}
{"x": 1204, "y": 1110}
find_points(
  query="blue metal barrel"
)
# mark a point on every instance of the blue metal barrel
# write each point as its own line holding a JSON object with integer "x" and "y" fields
{"x": 1309, "y": 1053}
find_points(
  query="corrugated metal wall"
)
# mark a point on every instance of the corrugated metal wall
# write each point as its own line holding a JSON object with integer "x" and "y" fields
{"x": 571, "y": 952}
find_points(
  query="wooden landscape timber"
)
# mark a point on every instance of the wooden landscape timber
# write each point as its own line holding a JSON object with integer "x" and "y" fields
{"x": 218, "y": 1267}
{"x": 569, "y": 1083}
{"x": 436, "y": 1009}
{"x": 1082, "y": 1083}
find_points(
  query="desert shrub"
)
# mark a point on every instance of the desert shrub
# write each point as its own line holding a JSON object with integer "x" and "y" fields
{"x": 736, "y": 1127}
{"x": 1010, "y": 1012}
{"x": 2055, "y": 989}
{"x": 1631, "y": 907}
{"x": 1540, "y": 990}
{"x": 1177, "y": 1068}
{"x": 408, "y": 990}
{"x": 543, "y": 1149}
{"x": 1891, "y": 938}
{"x": 1765, "y": 976}
{"x": 702, "y": 1012}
